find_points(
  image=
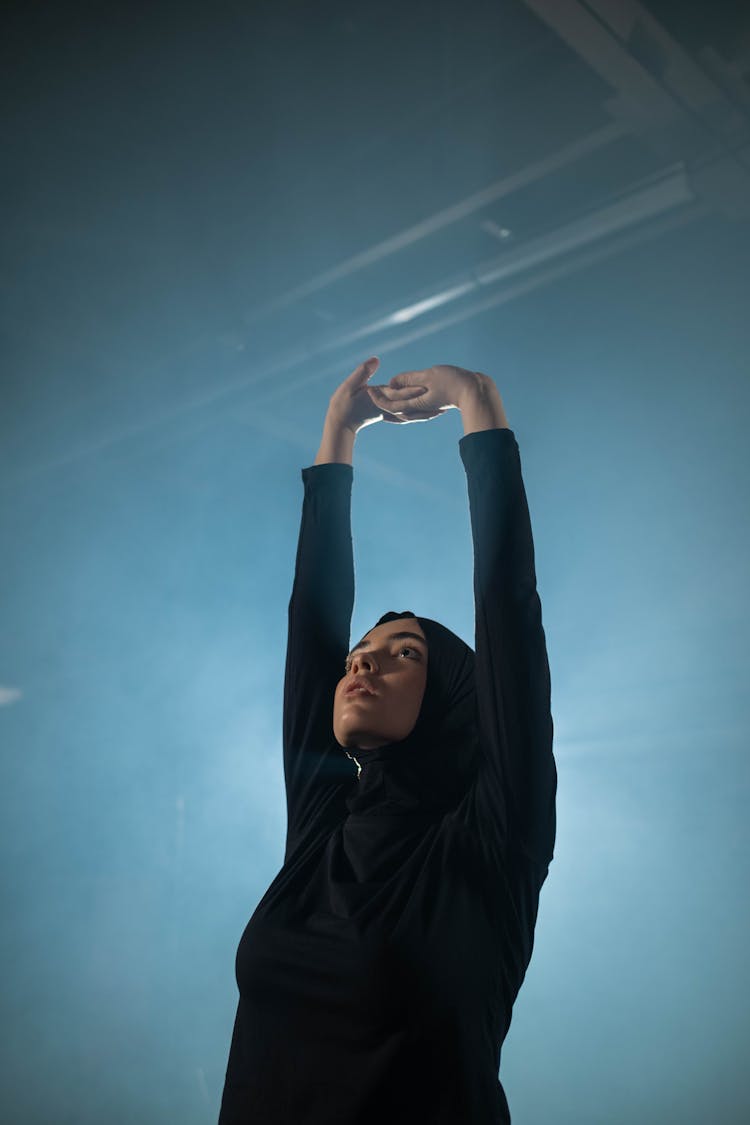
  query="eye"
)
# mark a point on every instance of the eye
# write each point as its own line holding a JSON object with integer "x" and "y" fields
{"x": 409, "y": 648}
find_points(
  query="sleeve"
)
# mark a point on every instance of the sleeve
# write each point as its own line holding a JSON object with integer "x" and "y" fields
{"x": 320, "y": 610}
{"x": 513, "y": 800}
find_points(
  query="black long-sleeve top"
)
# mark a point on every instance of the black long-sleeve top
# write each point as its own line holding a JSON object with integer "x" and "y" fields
{"x": 378, "y": 973}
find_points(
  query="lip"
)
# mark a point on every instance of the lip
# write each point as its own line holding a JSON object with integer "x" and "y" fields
{"x": 359, "y": 687}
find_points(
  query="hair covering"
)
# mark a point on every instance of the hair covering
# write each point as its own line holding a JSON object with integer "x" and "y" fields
{"x": 433, "y": 766}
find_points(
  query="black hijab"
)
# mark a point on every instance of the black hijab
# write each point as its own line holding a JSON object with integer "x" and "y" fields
{"x": 431, "y": 769}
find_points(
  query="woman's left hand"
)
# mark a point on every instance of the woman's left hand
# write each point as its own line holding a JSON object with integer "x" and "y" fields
{"x": 445, "y": 386}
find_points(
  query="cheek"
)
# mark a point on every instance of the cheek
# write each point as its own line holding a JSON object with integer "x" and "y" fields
{"x": 340, "y": 703}
{"x": 413, "y": 695}
{"x": 338, "y": 694}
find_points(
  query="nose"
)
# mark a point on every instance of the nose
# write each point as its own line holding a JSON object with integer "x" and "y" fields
{"x": 363, "y": 662}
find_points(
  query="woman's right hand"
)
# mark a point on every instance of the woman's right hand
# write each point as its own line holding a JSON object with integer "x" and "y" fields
{"x": 351, "y": 408}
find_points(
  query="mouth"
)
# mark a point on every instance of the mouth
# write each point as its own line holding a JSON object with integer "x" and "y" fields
{"x": 358, "y": 689}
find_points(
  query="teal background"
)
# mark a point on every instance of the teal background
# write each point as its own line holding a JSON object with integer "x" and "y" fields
{"x": 170, "y": 172}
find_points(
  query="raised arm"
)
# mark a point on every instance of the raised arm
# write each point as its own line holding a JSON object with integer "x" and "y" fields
{"x": 515, "y": 792}
{"x": 513, "y": 802}
{"x": 320, "y": 609}
{"x": 319, "y": 615}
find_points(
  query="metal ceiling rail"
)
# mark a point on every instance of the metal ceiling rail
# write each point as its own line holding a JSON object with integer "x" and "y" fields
{"x": 678, "y": 73}
{"x": 554, "y": 271}
{"x": 658, "y": 213}
{"x": 568, "y": 154}
{"x": 666, "y": 97}
{"x": 666, "y": 192}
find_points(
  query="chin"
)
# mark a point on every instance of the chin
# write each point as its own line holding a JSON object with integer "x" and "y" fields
{"x": 351, "y": 740}
{"x": 346, "y": 738}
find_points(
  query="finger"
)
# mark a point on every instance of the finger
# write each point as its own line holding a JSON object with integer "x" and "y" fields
{"x": 408, "y": 415}
{"x": 387, "y": 394}
{"x": 406, "y": 379}
{"x": 419, "y": 416}
{"x": 365, "y": 370}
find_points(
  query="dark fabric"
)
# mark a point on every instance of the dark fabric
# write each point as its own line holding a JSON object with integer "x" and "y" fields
{"x": 377, "y": 974}
{"x": 432, "y": 767}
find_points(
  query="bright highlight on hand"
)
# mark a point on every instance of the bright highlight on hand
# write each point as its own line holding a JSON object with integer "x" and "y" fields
{"x": 352, "y": 407}
{"x": 410, "y": 396}
{"x": 438, "y": 388}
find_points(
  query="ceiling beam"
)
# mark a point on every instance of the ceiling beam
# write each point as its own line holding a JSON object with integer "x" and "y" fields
{"x": 498, "y": 189}
{"x": 661, "y": 92}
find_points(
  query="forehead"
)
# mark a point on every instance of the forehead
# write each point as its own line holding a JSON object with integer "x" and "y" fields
{"x": 388, "y": 629}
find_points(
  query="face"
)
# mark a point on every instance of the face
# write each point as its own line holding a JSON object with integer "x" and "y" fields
{"x": 393, "y": 668}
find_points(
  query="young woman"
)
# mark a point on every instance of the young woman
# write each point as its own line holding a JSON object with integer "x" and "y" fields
{"x": 378, "y": 972}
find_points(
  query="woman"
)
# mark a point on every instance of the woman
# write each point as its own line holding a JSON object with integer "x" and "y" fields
{"x": 378, "y": 973}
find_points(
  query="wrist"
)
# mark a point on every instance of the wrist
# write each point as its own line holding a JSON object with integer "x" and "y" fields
{"x": 336, "y": 444}
{"x": 472, "y": 388}
{"x": 481, "y": 406}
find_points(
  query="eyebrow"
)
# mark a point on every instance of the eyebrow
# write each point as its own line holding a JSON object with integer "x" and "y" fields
{"x": 393, "y": 637}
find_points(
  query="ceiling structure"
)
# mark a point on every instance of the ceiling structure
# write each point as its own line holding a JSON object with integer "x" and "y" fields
{"x": 666, "y": 140}
{"x": 212, "y": 210}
